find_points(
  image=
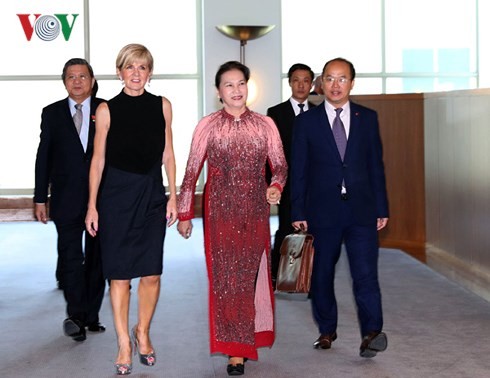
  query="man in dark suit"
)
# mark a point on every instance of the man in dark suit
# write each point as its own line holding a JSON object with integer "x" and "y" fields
{"x": 339, "y": 196}
{"x": 300, "y": 78}
{"x": 62, "y": 165}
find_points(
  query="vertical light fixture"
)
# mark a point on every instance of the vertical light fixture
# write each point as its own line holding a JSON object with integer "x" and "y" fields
{"x": 244, "y": 33}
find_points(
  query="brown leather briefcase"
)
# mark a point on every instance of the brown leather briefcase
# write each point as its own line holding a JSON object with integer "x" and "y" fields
{"x": 296, "y": 263}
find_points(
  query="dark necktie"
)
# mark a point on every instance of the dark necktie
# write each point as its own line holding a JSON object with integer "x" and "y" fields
{"x": 339, "y": 133}
{"x": 301, "y": 106}
{"x": 78, "y": 117}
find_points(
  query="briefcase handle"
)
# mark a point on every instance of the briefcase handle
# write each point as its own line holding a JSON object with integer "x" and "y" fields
{"x": 301, "y": 231}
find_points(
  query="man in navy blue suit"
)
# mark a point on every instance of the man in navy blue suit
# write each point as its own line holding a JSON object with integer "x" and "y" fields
{"x": 338, "y": 194}
{"x": 62, "y": 166}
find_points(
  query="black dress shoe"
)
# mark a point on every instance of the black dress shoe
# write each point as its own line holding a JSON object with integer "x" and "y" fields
{"x": 373, "y": 343}
{"x": 74, "y": 328}
{"x": 325, "y": 341}
{"x": 238, "y": 369}
{"x": 96, "y": 327}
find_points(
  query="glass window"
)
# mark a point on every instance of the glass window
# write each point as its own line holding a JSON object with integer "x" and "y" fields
{"x": 36, "y": 36}
{"x": 42, "y": 36}
{"x": 320, "y": 30}
{"x": 412, "y": 46}
{"x": 165, "y": 32}
{"x": 21, "y": 128}
{"x": 426, "y": 36}
{"x": 367, "y": 85}
{"x": 286, "y": 89}
{"x": 425, "y": 84}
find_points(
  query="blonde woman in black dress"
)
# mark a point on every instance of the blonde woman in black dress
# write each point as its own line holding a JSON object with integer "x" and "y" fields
{"x": 128, "y": 206}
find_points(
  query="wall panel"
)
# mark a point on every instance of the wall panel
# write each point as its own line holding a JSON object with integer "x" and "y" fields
{"x": 457, "y": 143}
{"x": 401, "y": 119}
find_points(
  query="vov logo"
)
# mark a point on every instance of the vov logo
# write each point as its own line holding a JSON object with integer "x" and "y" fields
{"x": 47, "y": 27}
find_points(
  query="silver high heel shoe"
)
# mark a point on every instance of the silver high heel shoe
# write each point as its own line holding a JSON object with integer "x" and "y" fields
{"x": 146, "y": 359}
{"x": 123, "y": 369}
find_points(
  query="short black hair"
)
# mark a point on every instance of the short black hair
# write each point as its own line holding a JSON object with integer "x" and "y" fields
{"x": 351, "y": 66}
{"x": 228, "y": 66}
{"x": 300, "y": 66}
{"x": 74, "y": 62}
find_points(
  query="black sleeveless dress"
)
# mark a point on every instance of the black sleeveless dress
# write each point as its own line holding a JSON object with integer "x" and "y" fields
{"x": 132, "y": 201}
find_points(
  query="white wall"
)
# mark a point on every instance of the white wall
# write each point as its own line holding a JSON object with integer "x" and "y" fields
{"x": 262, "y": 56}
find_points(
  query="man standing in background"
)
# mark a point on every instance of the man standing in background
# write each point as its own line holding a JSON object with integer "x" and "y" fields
{"x": 62, "y": 166}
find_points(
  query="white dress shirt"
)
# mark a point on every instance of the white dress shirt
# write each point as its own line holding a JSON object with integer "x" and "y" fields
{"x": 296, "y": 108}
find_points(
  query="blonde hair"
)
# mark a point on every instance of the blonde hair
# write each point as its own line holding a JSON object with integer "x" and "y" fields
{"x": 132, "y": 52}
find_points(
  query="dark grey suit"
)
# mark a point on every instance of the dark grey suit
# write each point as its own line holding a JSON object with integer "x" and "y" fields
{"x": 62, "y": 166}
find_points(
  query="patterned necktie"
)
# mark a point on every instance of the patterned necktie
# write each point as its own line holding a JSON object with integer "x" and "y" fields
{"x": 301, "y": 106}
{"x": 78, "y": 117}
{"x": 339, "y": 133}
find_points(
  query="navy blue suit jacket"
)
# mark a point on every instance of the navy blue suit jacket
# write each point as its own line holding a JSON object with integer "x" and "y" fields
{"x": 317, "y": 170}
{"x": 61, "y": 163}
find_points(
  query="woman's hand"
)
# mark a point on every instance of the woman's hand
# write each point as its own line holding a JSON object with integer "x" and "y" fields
{"x": 185, "y": 228}
{"x": 273, "y": 195}
{"x": 171, "y": 211}
{"x": 92, "y": 221}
